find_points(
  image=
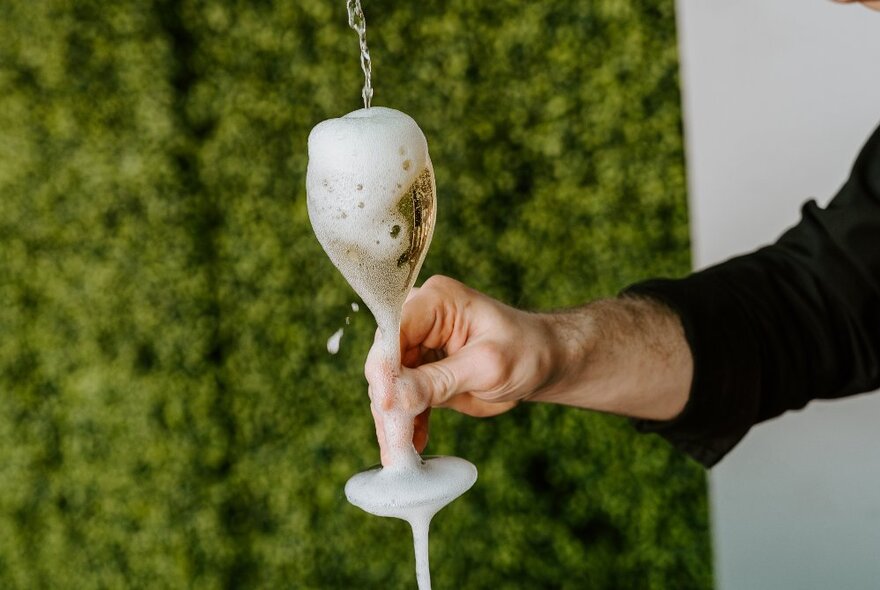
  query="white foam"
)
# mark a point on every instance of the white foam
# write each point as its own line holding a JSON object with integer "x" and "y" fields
{"x": 367, "y": 171}
{"x": 414, "y": 495}
{"x": 400, "y": 493}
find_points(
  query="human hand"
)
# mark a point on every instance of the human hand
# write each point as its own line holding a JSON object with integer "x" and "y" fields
{"x": 872, "y": 4}
{"x": 461, "y": 350}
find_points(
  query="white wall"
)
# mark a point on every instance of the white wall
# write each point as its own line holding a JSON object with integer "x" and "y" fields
{"x": 779, "y": 95}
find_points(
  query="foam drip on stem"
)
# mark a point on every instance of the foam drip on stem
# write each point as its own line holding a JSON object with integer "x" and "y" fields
{"x": 414, "y": 494}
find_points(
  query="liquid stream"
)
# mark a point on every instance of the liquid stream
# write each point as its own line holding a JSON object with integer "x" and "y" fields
{"x": 358, "y": 22}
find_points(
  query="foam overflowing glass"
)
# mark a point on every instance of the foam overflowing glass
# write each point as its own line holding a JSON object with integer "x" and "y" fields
{"x": 372, "y": 204}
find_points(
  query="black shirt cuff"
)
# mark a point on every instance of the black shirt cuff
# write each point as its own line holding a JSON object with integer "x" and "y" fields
{"x": 722, "y": 405}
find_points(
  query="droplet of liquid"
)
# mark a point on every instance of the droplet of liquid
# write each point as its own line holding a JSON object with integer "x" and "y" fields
{"x": 355, "y": 307}
{"x": 333, "y": 341}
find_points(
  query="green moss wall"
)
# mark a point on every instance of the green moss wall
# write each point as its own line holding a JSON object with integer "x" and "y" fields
{"x": 169, "y": 416}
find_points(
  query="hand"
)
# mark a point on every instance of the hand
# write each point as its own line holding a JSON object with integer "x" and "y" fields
{"x": 872, "y": 4}
{"x": 461, "y": 350}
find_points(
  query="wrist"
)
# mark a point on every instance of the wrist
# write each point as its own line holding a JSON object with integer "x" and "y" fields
{"x": 624, "y": 356}
{"x": 571, "y": 337}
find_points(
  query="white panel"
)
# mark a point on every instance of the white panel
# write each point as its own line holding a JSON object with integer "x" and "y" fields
{"x": 779, "y": 96}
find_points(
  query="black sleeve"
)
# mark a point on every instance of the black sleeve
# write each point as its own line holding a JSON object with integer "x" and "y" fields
{"x": 792, "y": 322}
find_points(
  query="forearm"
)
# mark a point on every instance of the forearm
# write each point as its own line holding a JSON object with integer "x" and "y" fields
{"x": 626, "y": 356}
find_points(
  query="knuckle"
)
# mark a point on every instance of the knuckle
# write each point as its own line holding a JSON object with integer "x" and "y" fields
{"x": 413, "y": 404}
{"x": 495, "y": 359}
{"x": 386, "y": 401}
{"x": 440, "y": 283}
{"x": 443, "y": 381}
{"x": 493, "y": 354}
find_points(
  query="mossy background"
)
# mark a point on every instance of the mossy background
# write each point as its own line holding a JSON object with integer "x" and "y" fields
{"x": 169, "y": 416}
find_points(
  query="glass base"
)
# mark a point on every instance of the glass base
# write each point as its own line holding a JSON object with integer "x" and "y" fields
{"x": 399, "y": 493}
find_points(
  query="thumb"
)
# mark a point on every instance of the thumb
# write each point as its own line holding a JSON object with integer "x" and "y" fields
{"x": 443, "y": 379}
{"x": 460, "y": 385}
{"x": 471, "y": 369}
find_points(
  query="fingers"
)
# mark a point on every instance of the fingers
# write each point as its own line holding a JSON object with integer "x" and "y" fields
{"x": 394, "y": 399}
{"x": 484, "y": 367}
{"x": 380, "y": 436}
{"x": 431, "y": 316}
{"x": 467, "y": 403}
{"x": 417, "y": 321}
{"x": 451, "y": 357}
{"x": 446, "y": 378}
{"x": 873, "y": 4}
{"x": 411, "y": 293}
{"x": 374, "y": 365}
{"x": 420, "y": 430}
